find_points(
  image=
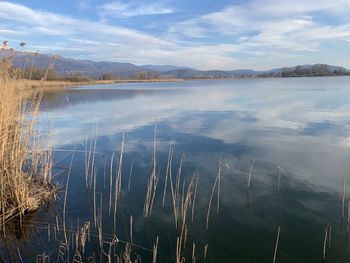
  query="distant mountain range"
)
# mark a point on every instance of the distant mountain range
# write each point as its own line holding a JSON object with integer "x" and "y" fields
{"x": 163, "y": 68}
{"x": 69, "y": 67}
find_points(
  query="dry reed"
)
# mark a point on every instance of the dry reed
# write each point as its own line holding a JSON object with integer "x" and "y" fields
{"x": 194, "y": 196}
{"x": 25, "y": 161}
{"x": 118, "y": 183}
{"x": 175, "y": 191}
{"x": 193, "y": 252}
{"x": 276, "y": 245}
{"x": 152, "y": 181}
{"x": 324, "y": 245}
{"x": 205, "y": 252}
{"x": 181, "y": 239}
{"x": 155, "y": 250}
{"x": 168, "y": 169}
{"x": 217, "y": 179}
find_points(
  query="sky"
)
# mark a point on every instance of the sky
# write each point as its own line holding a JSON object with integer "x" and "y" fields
{"x": 203, "y": 34}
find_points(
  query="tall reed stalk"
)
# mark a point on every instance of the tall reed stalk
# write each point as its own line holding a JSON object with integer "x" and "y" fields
{"x": 216, "y": 185}
{"x": 25, "y": 161}
{"x": 152, "y": 181}
{"x": 276, "y": 245}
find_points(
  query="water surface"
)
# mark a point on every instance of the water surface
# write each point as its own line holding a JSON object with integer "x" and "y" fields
{"x": 299, "y": 125}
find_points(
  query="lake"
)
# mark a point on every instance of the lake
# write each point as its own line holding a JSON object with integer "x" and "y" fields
{"x": 245, "y": 163}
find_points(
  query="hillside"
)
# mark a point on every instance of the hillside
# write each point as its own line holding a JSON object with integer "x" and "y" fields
{"x": 68, "y": 66}
{"x": 110, "y": 70}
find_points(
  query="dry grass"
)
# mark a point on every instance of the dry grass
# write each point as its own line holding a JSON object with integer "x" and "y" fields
{"x": 216, "y": 185}
{"x": 276, "y": 245}
{"x": 26, "y": 84}
{"x": 25, "y": 163}
{"x": 152, "y": 181}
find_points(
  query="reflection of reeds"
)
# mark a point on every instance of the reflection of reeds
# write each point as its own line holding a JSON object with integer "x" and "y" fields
{"x": 343, "y": 197}
{"x": 65, "y": 199}
{"x": 94, "y": 175}
{"x": 130, "y": 173}
{"x": 348, "y": 227}
{"x": 280, "y": 170}
{"x": 247, "y": 198}
{"x": 110, "y": 184}
{"x": 219, "y": 186}
{"x": 99, "y": 223}
{"x": 131, "y": 223}
{"x": 250, "y": 174}
{"x": 77, "y": 257}
{"x": 344, "y": 180}
{"x": 87, "y": 154}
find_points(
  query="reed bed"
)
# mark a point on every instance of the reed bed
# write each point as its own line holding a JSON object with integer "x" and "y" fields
{"x": 25, "y": 161}
{"x": 26, "y": 182}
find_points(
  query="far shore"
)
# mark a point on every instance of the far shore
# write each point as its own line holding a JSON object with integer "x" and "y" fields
{"x": 55, "y": 84}
{"x": 37, "y": 84}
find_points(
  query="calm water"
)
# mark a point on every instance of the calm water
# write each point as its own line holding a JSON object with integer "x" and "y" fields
{"x": 297, "y": 124}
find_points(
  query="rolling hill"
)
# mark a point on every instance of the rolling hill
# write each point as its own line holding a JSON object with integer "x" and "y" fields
{"x": 68, "y": 67}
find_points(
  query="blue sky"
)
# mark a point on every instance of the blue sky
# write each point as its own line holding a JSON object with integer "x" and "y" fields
{"x": 203, "y": 34}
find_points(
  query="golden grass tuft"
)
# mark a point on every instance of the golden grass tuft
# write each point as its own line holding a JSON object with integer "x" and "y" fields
{"x": 25, "y": 163}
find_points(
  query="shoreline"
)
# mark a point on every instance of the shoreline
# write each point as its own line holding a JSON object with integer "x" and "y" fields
{"x": 37, "y": 84}
{"x": 54, "y": 84}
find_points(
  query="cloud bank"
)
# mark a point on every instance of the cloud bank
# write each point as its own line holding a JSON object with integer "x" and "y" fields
{"x": 254, "y": 34}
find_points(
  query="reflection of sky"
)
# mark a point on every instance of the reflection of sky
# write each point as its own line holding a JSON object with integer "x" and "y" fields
{"x": 299, "y": 124}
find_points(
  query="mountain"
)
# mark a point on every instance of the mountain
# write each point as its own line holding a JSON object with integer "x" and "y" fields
{"x": 313, "y": 70}
{"x": 163, "y": 68}
{"x": 68, "y": 66}
{"x": 212, "y": 74}
{"x": 111, "y": 70}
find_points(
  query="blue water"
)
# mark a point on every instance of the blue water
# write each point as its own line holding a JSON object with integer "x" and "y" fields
{"x": 298, "y": 124}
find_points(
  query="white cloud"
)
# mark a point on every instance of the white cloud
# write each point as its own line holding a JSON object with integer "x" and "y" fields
{"x": 280, "y": 116}
{"x": 270, "y": 22}
{"x": 99, "y": 37}
{"x": 256, "y": 34}
{"x": 122, "y": 9}
{"x": 102, "y": 41}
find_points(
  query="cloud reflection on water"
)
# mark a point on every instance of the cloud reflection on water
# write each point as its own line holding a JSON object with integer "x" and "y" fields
{"x": 299, "y": 124}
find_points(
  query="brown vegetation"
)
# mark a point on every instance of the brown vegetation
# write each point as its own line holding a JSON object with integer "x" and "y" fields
{"x": 25, "y": 163}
